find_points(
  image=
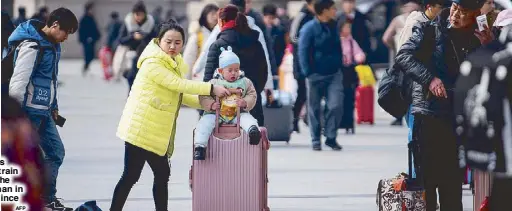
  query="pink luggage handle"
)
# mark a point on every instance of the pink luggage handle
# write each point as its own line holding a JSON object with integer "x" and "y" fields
{"x": 227, "y": 131}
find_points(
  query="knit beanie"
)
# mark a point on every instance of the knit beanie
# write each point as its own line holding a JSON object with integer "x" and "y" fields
{"x": 227, "y": 57}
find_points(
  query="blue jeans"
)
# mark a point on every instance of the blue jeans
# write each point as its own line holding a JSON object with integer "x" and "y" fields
{"x": 330, "y": 88}
{"x": 53, "y": 150}
{"x": 409, "y": 119}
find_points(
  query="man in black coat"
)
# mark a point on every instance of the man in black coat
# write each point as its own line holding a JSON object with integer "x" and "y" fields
{"x": 245, "y": 7}
{"x": 431, "y": 58}
{"x": 306, "y": 14}
{"x": 252, "y": 60}
{"x": 88, "y": 34}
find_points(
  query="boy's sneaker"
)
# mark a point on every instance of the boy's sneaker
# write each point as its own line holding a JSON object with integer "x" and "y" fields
{"x": 56, "y": 205}
{"x": 254, "y": 135}
{"x": 199, "y": 153}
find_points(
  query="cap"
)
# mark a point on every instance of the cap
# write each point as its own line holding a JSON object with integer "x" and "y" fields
{"x": 470, "y": 4}
{"x": 504, "y": 18}
{"x": 227, "y": 57}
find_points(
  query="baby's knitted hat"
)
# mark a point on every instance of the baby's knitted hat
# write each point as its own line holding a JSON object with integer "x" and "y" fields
{"x": 227, "y": 57}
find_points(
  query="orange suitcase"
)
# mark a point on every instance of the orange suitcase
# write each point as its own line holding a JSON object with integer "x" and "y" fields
{"x": 233, "y": 177}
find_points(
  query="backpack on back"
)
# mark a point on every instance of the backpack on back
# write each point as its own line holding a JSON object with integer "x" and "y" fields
{"x": 8, "y": 62}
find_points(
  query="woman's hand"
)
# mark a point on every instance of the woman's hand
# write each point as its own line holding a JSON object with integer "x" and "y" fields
{"x": 220, "y": 91}
{"x": 241, "y": 103}
{"x": 215, "y": 106}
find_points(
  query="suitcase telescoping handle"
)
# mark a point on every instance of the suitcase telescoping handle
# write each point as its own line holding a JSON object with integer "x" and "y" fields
{"x": 217, "y": 115}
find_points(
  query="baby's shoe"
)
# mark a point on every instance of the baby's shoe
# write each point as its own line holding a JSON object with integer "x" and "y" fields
{"x": 199, "y": 153}
{"x": 254, "y": 135}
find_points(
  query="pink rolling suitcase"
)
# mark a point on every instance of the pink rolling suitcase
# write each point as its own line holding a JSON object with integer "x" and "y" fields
{"x": 233, "y": 177}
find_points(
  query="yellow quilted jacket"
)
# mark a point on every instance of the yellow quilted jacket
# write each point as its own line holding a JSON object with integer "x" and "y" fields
{"x": 149, "y": 116}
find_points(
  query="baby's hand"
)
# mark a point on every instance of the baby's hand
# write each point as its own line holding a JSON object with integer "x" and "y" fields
{"x": 241, "y": 103}
{"x": 215, "y": 106}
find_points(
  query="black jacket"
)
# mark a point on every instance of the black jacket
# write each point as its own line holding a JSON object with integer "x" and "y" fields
{"x": 88, "y": 32}
{"x": 298, "y": 22}
{"x": 422, "y": 60}
{"x": 258, "y": 20}
{"x": 250, "y": 51}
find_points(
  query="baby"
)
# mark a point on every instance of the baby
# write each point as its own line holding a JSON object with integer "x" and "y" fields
{"x": 230, "y": 77}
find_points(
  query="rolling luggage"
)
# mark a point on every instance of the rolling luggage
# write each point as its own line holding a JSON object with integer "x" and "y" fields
{"x": 278, "y": 112}
{"x": 364, "y": 105}
{"x": 403, "y": 192}
{"x": 105, "y": 56}
{"x": 233, "y": 177}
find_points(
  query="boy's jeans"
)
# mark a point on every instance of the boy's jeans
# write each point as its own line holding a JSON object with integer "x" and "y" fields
{"x": 53, "y": 149}
{"x": 206, "y": 125}
{"x": 329, "y": 87}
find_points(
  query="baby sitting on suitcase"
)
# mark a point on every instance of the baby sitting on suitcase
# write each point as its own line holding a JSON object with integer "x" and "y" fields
{"x": 243, "y": 95}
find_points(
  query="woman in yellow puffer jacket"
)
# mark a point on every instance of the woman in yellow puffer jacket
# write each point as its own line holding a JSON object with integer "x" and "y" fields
{"x": 148, "y": 123}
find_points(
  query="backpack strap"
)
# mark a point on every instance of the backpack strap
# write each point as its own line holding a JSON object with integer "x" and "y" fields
{"x": 200, "y": 39}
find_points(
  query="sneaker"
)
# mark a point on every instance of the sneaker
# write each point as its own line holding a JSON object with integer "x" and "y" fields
{"x": 199, "y": 153}
{"x": 333, "y": 144}
{"x": 317, "y": 147}
{"x": 254, "y": 135}
{"x": 56, "y": 205}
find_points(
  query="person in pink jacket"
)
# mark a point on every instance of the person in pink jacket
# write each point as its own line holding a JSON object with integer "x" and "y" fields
{"x": 352, "y": 56}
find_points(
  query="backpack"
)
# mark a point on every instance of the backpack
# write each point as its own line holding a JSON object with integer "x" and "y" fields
{"x": 88, "y": 206}
{"x": 8, "y": 61}
{"x": 394, "y": 92}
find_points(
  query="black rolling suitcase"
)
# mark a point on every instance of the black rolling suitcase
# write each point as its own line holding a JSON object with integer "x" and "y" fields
{"x": 278, "y": 113}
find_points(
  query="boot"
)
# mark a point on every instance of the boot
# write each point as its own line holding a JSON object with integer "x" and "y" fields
{"x": 199, "y": 153}
{"x": 254, "y": 135}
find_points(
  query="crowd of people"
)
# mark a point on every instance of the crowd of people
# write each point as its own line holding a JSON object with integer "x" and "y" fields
{"x": 235, "y": 50}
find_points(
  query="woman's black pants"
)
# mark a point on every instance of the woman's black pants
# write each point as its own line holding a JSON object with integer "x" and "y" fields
{"x": 134, "y": 160}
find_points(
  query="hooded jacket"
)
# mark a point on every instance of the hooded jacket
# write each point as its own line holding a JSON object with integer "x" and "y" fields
{"x": 201, "y": 61}
{"x": 149, "y": 117}
{"x": 247, "y": 48}
{"x": 34, "y": 79}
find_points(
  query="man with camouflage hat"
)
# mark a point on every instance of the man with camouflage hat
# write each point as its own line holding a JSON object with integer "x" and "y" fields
{"x": 431, "y": 58}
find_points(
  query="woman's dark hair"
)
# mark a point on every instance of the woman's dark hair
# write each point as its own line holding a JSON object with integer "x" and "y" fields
{"x": 66, "y": 19}
{"x": 203, "y": 20}
{"x": 168, "y": 25}
{"x": 139, "y": 7}
{"x": 230, "y": 13}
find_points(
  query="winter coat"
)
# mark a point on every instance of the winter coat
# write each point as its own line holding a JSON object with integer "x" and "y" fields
{"x": 88, "y": 32}
{"x": 450, "y": 49}
{"x": 195, "y": 44}
{"x": 320, "y": 48}
{"x": 34, "y": 87}
{"x": 247, "y": 48}
{"x": 149, "y": 117}
{"x": 258, "y": 20}
{"x": 406, "y": 32}
{"x": 302, "y": 18}
{"x": 147, "y": 29}
{"x": 113, "y": 33}
{"x": 201, "y": 62}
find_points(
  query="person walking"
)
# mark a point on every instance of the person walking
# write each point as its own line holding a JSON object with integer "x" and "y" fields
{"x": 431, "y": 58}
{"x": 306, "y": 14}
{"x": 88, "y": 34}
{"x": 321, "y": 63}
{"x": 34, "y": 85}
{"x": 360, "y": 30}
{"x": 22, "y": 16}
{"x": 113, "y": 28}
{"x": 148, "y": 122}
{"x": 235, "y": 32}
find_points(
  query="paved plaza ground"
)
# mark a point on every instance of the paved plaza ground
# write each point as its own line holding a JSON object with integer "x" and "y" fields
{"x": 299, "y": 178}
